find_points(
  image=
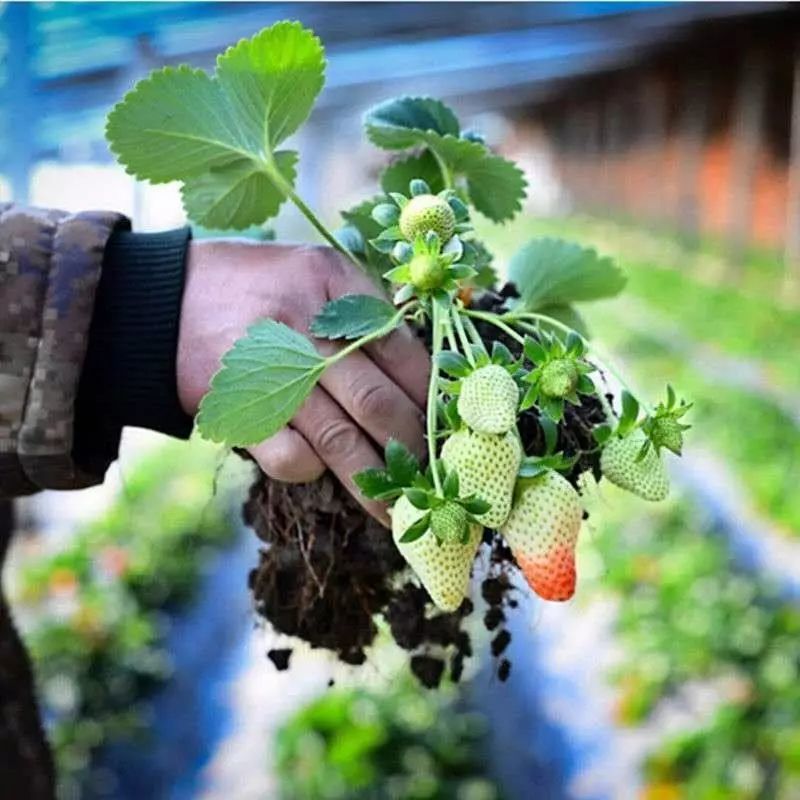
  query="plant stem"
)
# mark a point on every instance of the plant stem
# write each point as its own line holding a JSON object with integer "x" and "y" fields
{"x": 513, "y": 316}
{"x": 472, "y": 331}
{"x": 433, "y": 386}
{"x": 288, "y": 190}
{"x": 370, "y": 337}
{"x": 462, "y": 335}
{"x": 447, "y": 175}
{"x": 493, "y": 319}
{"x": 451, "y": 337}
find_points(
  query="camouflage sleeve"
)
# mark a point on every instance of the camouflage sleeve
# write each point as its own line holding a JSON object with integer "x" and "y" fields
{"x": 49, "y": 270}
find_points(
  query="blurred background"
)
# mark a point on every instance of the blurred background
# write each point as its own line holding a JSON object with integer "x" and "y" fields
{"x": 665, "y": 135}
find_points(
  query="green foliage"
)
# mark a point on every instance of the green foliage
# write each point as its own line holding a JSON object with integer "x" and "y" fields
{"x": 397, "y": 176}
{"x": 687, "y": 615}
{"x": 352, "y": 316}
{"x": 218, "y": 134}
{"x": 402, "y": 469}
{"x": 93, "y": 608}
{"x": 264, "y": 380}
{"x": 352, "y": 744}
{"x": 555, "y": 273}
{"x": 495, "y": 186}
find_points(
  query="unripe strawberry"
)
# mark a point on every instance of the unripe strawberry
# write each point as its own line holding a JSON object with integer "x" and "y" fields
{"x": 487, "y": 466}
{"x": 559, "y": 378}
{"x": 542, "y": 531}
{"x": 427, "y": 212}
{"x": 442, "y": 567}
{"x": 488, "y": 400}
{"x": 646, "y": 478}
{"x": 668, "y": 432}
{"x": 449, "y": 521}
{"x": 427, "y": 271}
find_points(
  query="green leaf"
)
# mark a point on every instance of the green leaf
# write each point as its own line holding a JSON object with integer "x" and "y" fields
{"x": 550, "y": 431}
{"x": 601, "y": 433}
{"x": 376, "y": 484}
{"x": 397, "y": 176}
{"x": 218, "y": 133}
{"x": 237, "y": 195}
{"x": 531, "y": 467}
{"x": 174, "y": 124}
{"x": 496, "y": 187}
{"x": 554, "y": 272}
{"x": 394, "y": 124}
{"x": 534, "y": 350}
{"x": 453, "y": 363}
{"x": 630, "y": 409}
{"x": 265, "y": 378}
{"x": 271, "y": 81}
{"x": 475, "y": 505}
{"x": 417, "y": 530}
{"x": 352, "y": 316}
{"x": 402, "y": 465}
{"x": 418, "y": 498}
{"x": 451, "y": 485}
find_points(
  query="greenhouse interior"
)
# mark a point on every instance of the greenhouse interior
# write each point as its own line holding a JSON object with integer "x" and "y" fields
{"x": 296, "y": 440}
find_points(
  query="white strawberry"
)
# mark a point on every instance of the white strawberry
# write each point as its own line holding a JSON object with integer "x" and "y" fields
{"x": 443, "y": 568}
{"x": 487, "y": 466}
{"x": 542, "y": 531}
{"x": 646, "y": 478}
{"x": 488, "y": 400}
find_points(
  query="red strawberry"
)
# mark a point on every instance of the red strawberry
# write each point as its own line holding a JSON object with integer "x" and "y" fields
{"x": 542, "y": 531}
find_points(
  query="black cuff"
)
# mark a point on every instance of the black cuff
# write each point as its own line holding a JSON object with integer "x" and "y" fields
{"x": 129, "y": 375}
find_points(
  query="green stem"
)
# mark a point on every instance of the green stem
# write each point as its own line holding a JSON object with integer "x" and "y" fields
{"x": 447, "y": 175}
{"x": 463, "y": 336}
{"x": 602, "y": 356}
{"x": 474, "y": 335}
{"x": 288, "y": 190}
{"x": 370, "y": 337}
{"x": 493, "y": 319}
{"x": 450, "y": 333}
{"x": 433, "y": 387}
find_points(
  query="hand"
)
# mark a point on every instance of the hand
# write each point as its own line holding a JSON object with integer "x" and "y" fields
{"x": 361, "y": 402}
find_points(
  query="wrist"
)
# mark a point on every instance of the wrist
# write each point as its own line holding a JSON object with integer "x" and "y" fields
{"x": 129, "y": 376}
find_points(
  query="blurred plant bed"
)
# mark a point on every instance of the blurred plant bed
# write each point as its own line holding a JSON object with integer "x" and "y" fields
{"x": 757, "y": 441}
{"x": 400, "y": 742}
{"x": 686, "y": 616}
{"x": 93, "y": 613}
{"x": 669, "y": 277}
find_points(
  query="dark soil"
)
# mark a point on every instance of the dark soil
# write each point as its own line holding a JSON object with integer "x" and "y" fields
{"x": 328, "y": 570}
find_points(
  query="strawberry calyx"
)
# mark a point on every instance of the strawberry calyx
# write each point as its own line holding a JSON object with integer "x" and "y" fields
{"x": 663, "y": 427}
{"x": 560, "y": 373}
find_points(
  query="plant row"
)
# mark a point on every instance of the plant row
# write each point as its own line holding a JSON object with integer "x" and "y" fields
{"x": 93, "y": 612}
{"x": 687, "y": 616}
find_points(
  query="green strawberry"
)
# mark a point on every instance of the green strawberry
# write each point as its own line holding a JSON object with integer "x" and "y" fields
{"x": 559, "y": 378}
{"x": 487, "y": 466}
{"x": 449, "y": 521}
{"x": 427, "y": 271}
{"x": 442, "y": 567}
{"x": 542, "y": 531}
{"x": 488, "y": 400}
{"x": 646, "y": 478}
{"x": 427, "y": 212}
{"x": 668, "y": 432}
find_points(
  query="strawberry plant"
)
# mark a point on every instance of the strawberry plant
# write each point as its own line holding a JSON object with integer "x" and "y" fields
{"x": 513, "y": 414}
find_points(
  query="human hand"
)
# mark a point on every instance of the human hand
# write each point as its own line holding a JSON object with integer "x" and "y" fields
{"x": 370, "y": 396}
